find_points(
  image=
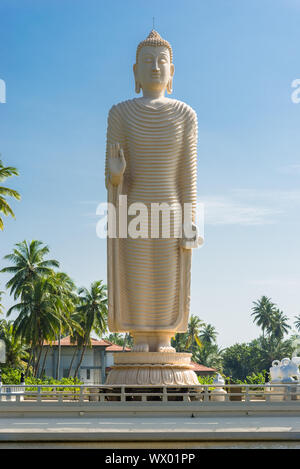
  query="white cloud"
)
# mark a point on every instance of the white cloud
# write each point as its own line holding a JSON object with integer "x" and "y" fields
{"x": 227, "y": 211}
{"x": 251, "y": 207}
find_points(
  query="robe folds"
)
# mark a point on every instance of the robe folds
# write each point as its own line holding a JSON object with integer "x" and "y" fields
{"x": 149, "y": 278}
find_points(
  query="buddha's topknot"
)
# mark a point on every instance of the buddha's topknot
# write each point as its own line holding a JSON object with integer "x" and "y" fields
{"x": 154, "y": 39}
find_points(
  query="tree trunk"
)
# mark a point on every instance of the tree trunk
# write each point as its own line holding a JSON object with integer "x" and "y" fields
{"x": 29, "y": 362}
{"x": 58, "y": 357}
{"x": 73, "y": 358}
{"x": 44, "y": 361}
{"x": 34, "y": 353}
{"x": 81, "y": 358}
{"x": 38, "y": 360}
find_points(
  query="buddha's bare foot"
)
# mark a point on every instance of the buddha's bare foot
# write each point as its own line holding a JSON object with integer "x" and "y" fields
{"x": 142, "y": 347}
{"x": 166, "y": 349}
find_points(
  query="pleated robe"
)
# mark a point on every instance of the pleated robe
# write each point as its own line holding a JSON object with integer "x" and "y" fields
{"x": 149, "y": 278}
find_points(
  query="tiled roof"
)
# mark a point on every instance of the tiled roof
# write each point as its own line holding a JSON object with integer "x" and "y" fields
{"x": 116, "y": 348}
{"x": 110, "y": 347}
{"x": 198, "y": 367}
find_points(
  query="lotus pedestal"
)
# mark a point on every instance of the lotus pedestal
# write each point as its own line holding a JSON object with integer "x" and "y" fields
{"x": 152, "y": 368}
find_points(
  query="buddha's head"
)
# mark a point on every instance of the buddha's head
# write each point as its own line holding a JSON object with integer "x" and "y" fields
{"x": 154, "y": 69}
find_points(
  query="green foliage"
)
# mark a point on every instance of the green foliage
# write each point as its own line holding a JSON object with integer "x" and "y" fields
{"x": 92, "y": 309}
{"x": 279, "y": 325}
{"x": 274, "y": 349}
{"x": 241, "y": 360}
{"x": 205, "y": 379}
{"x": 297, "y": 322}
{"x": 120, "y": 339}
{"x": 49, "y": 304}
{"x": 262, "y": 312}
{"x": 5, "y": 209}
{"x": 193, "y": 342}
{"x": 248, "y": 361}
{"x": 200, "y": 340}
{"x": 28, "y": 264}
{"x": 16, "y": 349}
{"x": 270, "y": 318}
{"x": 208, "y": 335}
{"x": 13, "y": 376}
{"x": 52, "y": 381}
{"x": 255, "y": 378}
{"x": 179, "y": 342}
{"x": 50, "y": 307}
{"x": 38, "y": 315}
{"x": 115, "y": 338}
{"x": 210, "y": 355}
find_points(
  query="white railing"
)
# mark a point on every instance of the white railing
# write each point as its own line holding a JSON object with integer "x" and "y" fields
{"x": 104, "y": 394}
{"x": 10, "y": 391}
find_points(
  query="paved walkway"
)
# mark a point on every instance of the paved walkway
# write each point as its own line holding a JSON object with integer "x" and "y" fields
{"x": 165, "y": 429}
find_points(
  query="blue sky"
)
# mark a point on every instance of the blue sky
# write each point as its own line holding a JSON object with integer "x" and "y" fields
{"x": 65, "y": 62}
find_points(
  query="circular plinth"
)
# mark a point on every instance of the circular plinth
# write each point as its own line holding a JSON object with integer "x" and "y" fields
{"x": 152, "y": 368}
{"x": 154, "y": 358}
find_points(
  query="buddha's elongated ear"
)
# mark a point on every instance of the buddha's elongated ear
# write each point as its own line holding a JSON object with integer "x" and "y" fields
{"x": 169, "y": 86}
{"x": 170, "y": 82}
{"x": 137, "y": 83}
{"x": 137, "y": 87}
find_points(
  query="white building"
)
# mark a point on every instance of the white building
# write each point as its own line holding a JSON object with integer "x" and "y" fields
{"x": 98, "y": 358}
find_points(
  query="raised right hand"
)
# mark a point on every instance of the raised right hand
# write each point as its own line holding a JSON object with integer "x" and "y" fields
{"x": 116, "y": 163}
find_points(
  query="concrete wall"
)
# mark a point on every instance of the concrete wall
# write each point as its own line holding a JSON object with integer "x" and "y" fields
{"x": 109, "y": 358}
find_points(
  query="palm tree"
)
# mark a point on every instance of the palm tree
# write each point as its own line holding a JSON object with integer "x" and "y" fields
{"x": 66, "y": 299}
{"x": 179, "y": 341}
{"x": 273, "y": 349}
{"x": 124, "y": 340}
{"x": 93, "y": 308}
{"x": 5, "y": 208}
{"x": 29, "y": 264}
{"x": 208, "y": 335}
{"x": 39, "y": 317}
{"x": 77, "y": 337}
{"x": 279, "y": 325}
{"x": 210, "y": 355}
{"x": 297, "y": 322}
{"x": 192, "y": 335}
{"x": 116, "y": 338}
{"x": 263, "y": 310}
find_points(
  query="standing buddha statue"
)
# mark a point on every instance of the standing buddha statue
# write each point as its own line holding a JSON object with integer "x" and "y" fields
{"x": 151, "y": 159}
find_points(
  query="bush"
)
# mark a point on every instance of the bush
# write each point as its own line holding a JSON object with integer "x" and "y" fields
{"x": 255, "y": 378}
{"x": 13, "y": 376}
{"x": 205, "y": 379}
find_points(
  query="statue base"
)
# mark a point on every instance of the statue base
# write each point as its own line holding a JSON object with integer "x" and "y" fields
{"x": 152, "y": 368}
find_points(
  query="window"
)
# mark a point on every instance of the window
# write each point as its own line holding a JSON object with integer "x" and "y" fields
{"x": 88, "y": 374}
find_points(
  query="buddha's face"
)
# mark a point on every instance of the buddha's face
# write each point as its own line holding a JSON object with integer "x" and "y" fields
{"x": 154, "y": 69}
